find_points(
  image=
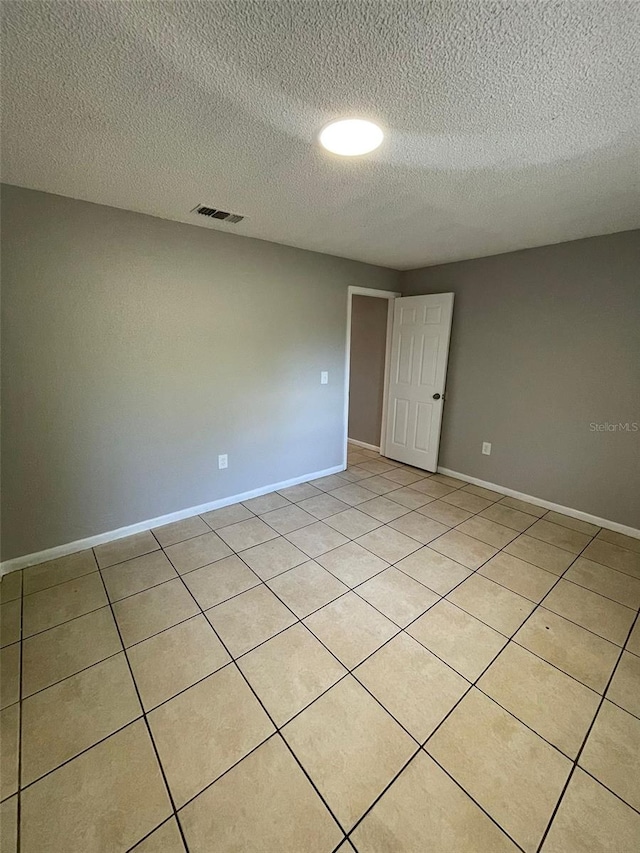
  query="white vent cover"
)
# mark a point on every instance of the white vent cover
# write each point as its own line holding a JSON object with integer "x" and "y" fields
{"x": 214, "y": 213}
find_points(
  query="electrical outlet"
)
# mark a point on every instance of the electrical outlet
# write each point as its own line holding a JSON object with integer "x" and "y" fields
{"x": 223, "y": 461}
{"x": 324, "y": 377}
{"x": 486, "y": 448}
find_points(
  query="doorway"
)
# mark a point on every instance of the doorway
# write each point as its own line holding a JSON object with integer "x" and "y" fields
{"x": 369, "y": 328}
{"x": 396, "y": 365}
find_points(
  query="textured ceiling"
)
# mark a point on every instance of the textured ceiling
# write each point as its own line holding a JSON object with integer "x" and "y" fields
{"x": 509, "y": 124}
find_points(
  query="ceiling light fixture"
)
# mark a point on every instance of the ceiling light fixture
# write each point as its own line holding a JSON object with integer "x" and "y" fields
{"x": 351, "y": 137}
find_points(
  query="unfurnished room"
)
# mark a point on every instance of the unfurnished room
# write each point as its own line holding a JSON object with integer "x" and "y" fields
{"x": 320, "y": 427}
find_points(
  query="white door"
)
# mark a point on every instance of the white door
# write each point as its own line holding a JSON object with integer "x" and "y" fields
{"x": 417, "y": 373}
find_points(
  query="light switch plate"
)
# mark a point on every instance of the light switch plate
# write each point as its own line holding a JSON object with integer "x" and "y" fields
{"x": 324, "y": 377}
{"x": 223, "y": 461}
{"x": 486, "y": 448}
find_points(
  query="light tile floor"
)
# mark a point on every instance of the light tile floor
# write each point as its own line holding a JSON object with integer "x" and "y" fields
{"x": 382, "y": 661}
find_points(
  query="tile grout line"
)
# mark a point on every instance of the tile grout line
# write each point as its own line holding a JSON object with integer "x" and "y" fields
{"x": 144, "y": 717}
{"x": 273, "y": 723}
{"x": 20, "y": 708}
{"x": 584, "y": 742}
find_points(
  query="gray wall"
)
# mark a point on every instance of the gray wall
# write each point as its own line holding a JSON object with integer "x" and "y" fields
{"x": 546, "y": 342}
{"x": 366, "y": 378}
{"x": 135, "y": 350}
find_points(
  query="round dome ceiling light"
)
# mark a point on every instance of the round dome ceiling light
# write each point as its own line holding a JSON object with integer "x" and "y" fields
{"x": 351, "y": 137}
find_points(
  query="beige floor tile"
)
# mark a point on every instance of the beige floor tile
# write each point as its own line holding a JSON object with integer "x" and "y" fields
{"x": 510, "y": 771}
{"x": 175, "y": 659}
{"x": 434, "y": 570}
{"x": 459, "y": 639}
{"x": 488, "y": 494}
{"x": 350, "y": 747}
{"x": 465, "y": 500}
{"x": 633, "y": 643}
{"x": 354, "y": 473}
{"x": 165, "y": 839}
{"x": 273, "y": 557}
{"x": 351, "y": 628}
{"x": 383, "y": 509}
{"x": 491, "y": 603}
{"x": 125, "y": 549}
{"x": 138, "y": 574}
{"x": 199, "y": 551}
{"x": 454, "y": 482}
{"x": 604, "y": 617}
{"x": 333, "y": 481}
{"x": 624, "y": 689}
{"x": 146, "y": 613}
{"x": 523, "y": 506}
{"x": 67, "y": 649}
{"x": 432, "y": 488}
{"x": 323, "y": 505}
{"x": 352, "y": 563}
{"x": 203, "y": 731}
{"x": 290, "y": 671}
{"x": 57, "y": 571}
{"x": 540, "y": 554}
{"x": 379, "y": 466}
{"x": 63, "y": 602}
{"x": 10, "y": 675}
{"x": 266, "y": 804}
{"x": 463, "y": 549}
{"x": 401, "y": 598}
{"x": 424, "y": 810}
{"x": 213, "y": 584}
{"x": 388, "y": 544}
{"x": 592, "y": 820}
{"x": 571, "y": 648}
{"x": 73, "y": 808}
{"x": 178, "y": 531}
{"x": 9, "y": 825}
{"x": 403, "y": 476}
{"x": 412, "y": 684}
{"x": 226, "y": 515}
{"x": 10, "y": 587}
{"x": 380, "y": 485}
{"x": 557, "y": 707}
{"x": 419, "y": 527}
{"x": 69, "y": 717}
{"x": 620, "y": 539}
{"x": 306, "y": 588}
{"x": 288, "y": 519}
{"x": 301, "y": 492}
{"x": 508, "y": 516}
{"x": 572, "y": 523}
{"x": 613, "y": 556}
{"x": 518, "y": 576}
{"x": 9, "y": 740}
{"x": 409, "y": 498}
{"x": 558, "y": 535}
{"x": 316, "y": 539}
{"x": 622, "y": 588}
{"x": 353, "y": 493}
{"x": 249, "y": 619}
{"x": 352, "y": 523}
{"x": 611, "y": 752}
{"x": 266, "y": 503}
{"x": 246, "y": 534}
{"x": 445, "y": 513}
{"x": 488, "y": 531}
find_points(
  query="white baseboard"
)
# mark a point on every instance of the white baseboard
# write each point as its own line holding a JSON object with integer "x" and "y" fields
{"x": 363, "y": 444}
{"x": 566, "y": 510}
{"x": 91, "y": 541}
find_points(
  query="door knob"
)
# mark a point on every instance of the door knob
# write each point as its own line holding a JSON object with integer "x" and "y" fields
{"x": 436, "y": 396}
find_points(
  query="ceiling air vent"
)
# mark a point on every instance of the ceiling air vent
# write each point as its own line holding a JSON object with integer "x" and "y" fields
{"x": 214, "y": 213}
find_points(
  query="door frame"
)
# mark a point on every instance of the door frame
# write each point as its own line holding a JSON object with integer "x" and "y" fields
{"x": 391, "y": 296}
